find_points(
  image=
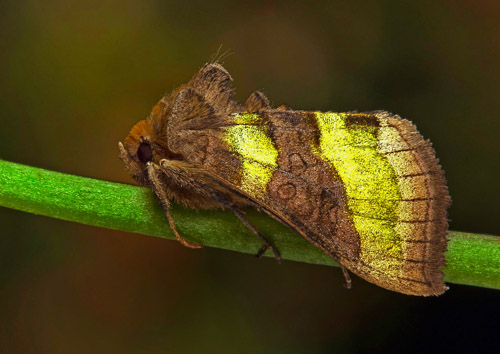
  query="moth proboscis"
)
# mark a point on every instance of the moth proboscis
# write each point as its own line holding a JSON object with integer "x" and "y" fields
{"x": 365, "y": 188}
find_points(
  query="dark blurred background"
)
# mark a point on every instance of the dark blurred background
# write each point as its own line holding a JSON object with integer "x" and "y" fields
{"x": 76, "y": 75}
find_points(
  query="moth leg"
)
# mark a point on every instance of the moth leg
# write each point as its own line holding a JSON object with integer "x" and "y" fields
{"x": 267, "y": 243}
{"x": 348, "y": 282}
{"x": 154, "y": 172}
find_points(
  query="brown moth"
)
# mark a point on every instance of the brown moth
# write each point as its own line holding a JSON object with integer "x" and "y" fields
{"x": 365, "y": 188}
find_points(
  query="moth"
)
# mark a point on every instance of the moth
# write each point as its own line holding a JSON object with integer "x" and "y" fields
{"x": 365, "y": 188}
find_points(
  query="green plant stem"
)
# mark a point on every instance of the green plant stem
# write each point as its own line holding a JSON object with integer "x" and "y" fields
{"x": 471, "y": 259}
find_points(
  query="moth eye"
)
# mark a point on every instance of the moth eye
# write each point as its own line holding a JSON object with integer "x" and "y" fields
{"x": 144, "y": 152}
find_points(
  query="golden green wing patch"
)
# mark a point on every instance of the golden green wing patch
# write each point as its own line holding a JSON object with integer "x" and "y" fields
{"x": 370, "y": 183}
{"x": 249, "y": 139}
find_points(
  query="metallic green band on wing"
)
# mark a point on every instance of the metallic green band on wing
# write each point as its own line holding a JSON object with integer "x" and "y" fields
{"x": 249, "y": 139}
{"x": 370, "y": 183}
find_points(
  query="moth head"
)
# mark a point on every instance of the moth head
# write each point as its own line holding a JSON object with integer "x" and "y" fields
{"x": 139, "y": 148}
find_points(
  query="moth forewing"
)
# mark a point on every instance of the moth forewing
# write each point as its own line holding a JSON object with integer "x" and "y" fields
{"x": 365, "y": 188}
